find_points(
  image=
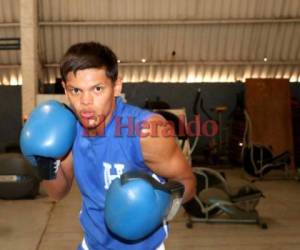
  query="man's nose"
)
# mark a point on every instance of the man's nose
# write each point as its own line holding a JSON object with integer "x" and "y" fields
{"x": 86, "y": 98}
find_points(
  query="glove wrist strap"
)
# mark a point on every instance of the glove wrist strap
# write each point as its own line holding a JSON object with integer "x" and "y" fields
{"x": 47, "y": 167}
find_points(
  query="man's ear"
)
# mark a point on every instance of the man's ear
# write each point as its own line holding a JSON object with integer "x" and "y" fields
{"x": 118, "y": 86}
{"x": 64, "y": 86}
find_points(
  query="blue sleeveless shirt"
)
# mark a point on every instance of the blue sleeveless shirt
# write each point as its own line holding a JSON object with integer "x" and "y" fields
{"x": 97, "y": 161}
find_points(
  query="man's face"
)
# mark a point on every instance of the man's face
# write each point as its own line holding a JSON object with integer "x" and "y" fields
{"x": 91, "y": 95}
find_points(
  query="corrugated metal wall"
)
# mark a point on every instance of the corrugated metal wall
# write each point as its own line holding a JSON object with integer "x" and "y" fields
{"x": 80, "y": 10}
{"x": 9, "y": 28}
{"x": 213, "y": 41}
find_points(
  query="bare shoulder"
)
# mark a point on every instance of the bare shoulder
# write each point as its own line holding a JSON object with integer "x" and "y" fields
{"x": 163, "y": 155}
{"x": 158, "y": 140}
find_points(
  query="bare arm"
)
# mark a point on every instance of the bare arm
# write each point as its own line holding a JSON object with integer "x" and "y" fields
{"x": 164, "y": 157}
{"x": 60, "y": 187}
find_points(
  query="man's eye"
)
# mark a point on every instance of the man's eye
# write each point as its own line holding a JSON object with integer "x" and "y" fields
{"x": 75, "y": 91}
{"x": 98, "y": 89}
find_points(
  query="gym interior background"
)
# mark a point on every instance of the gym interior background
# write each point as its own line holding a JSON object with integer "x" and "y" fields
{"x": 170, "y": 52}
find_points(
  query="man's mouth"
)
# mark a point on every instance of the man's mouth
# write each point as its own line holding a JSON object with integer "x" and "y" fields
{"x": 90, "y": 119}
{"x": 87, "y": 114}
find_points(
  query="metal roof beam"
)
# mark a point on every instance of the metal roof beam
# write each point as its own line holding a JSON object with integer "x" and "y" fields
{"x": 201, "y": 63}
{"x": 10, "y": 66}
{"x": 182, "y": 63}
{"x": 158, "y": 22}
{"x": 9, "y": 25}
{"x": 169, "y": 22}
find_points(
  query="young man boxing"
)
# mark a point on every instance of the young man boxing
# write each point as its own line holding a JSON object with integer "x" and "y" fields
{"x": 107, "y": 140}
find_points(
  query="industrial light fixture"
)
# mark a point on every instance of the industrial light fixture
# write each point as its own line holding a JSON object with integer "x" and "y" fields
{"x": 143, "y": 60}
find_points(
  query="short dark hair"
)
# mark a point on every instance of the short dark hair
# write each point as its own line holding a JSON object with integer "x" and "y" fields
{"x": 89, "y": 55}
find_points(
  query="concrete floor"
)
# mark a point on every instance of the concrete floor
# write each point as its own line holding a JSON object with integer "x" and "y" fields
{"x": 40, "y": 224}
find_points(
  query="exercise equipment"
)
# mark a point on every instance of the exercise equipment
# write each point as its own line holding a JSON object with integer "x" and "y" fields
{"x": 156, "y": 104}
{"x": 136, "y": 204}
{"x": 216, "y": 150}
{"x": 235, "y": 140}
{"x": 295, "y": 103}
{"x": 17, "y": 177}
{"x": 259, "y": 160}
{"x": 217, "y": 201}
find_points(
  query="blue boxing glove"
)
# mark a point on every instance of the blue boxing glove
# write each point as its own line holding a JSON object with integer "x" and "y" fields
{"x": 47, "y": 136}
{"x": 137, "y": 204}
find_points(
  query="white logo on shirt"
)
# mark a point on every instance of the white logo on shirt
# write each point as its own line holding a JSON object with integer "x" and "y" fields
{"x": 108, "y": 176}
